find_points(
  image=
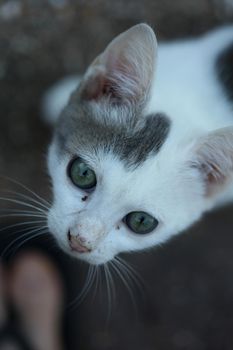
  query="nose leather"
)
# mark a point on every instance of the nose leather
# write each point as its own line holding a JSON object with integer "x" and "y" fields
{"x": 86, "y": 233}
{"x": 77, "y": 244}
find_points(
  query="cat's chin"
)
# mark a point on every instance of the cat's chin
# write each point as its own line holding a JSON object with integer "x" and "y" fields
{"x": 92, "y": 258}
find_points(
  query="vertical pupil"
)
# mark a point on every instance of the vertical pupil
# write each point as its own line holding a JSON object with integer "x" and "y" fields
{"x": 141, "y": 220}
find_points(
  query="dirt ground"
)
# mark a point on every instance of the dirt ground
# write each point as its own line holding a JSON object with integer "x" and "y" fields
{"x": 188, "y": 298}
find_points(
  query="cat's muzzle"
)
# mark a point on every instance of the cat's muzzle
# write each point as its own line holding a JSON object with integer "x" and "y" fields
{"x": 78, "y": 243}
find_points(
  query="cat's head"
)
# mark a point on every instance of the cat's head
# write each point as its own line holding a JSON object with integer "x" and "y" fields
{"x": 121, "y": 180}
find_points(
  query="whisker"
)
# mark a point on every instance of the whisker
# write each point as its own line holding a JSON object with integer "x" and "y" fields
{"x": 119, "y": 272}
{"x": 9, "y": 210}
{"x": 126, "y": 272}
{"x": 90, "y": 281}
{"x": 100, "y": 277}
{"x": 96, "y": 279}
{"x": 135, "y": 277}
{"x": 27, "y": 189}
{"x": 26, "y": 230}
{"x": 24, "y": 196}
{"x": 87, "y": 285}
{"x": 29, "y": 238}
{"x": 23, "y": 215}
{"x": 112, "y": 283}
{"x": 22, "y": 224}
{"x": 11, "y": 200}
{"x": 79, "y": 296}
{"x": 125, "y": 263}
{"x": 34, "y": 230}
{"x": 108, "y": 291}
{"x": 110, "y": 288}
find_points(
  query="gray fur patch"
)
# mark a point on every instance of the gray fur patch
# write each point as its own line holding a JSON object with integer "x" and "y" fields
{"x": 136, "y": 147}
{"x": 224, "y": 66}
{"x": 84, "y": 130}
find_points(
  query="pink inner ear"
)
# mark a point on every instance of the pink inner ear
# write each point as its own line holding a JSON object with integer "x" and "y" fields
{"x": 94, "y": 87}
{"x": 214, "y": 178}
{"x": 100, "y": 86}
{"x": 124, "y": 71}
{"x": 109, "y": 85}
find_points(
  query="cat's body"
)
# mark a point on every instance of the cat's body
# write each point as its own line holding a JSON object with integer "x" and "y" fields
{"x": 194, "y": 92}
{"x": 169, "y": 155}
{"x": 187, "y": 83}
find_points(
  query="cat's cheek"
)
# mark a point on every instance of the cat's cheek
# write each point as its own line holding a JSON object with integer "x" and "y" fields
{"x": 57, "y": 227}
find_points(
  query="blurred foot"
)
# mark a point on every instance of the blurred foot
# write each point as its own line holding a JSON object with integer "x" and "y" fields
{"x": 36, "y": 291}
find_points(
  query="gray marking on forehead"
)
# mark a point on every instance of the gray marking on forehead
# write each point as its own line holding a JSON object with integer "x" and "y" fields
{"x": 135, "y": 148}
{"x": 80, "y": 131}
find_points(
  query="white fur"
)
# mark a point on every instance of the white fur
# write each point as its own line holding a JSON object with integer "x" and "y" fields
{"x": 166, "y": 186}
{"x": 57, "y": 97}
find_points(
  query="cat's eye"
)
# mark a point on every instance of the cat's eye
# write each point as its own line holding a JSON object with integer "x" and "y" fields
{"x": 81, "y": 174}
{"x": 140, "y": 222}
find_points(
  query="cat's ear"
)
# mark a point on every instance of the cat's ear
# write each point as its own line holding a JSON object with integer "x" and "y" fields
{"x": 124, "y": 71}
{"x": 213, "y": 156}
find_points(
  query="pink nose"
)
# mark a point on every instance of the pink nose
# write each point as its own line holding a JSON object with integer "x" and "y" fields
{"x": 77, "y": 243}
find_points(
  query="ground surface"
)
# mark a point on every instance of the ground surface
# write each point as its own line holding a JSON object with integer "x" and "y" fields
{"x": 189, "y": 295}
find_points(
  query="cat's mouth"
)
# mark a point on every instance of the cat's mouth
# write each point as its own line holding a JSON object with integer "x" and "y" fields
{"x": 78, "y": 244}
{"x": 79, "y": 250}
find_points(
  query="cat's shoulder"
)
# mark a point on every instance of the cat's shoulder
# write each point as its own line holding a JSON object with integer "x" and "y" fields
{"x": 219, "y": 37}
{"x": 209, "y": 44}
{"x": 57, "y": 96}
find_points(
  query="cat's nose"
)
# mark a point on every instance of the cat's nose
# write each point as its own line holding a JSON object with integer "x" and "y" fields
{"x": 78, "y": 243}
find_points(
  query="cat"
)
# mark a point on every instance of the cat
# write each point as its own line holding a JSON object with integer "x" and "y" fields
{"x": 143, "y": 143}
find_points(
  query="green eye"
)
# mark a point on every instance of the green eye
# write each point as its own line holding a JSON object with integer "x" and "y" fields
{"x": 140, "y": 222}
{"x": 81, "y": 174}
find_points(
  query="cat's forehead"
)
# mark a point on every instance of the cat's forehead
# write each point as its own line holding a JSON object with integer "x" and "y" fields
{"x": 123, "y": 132}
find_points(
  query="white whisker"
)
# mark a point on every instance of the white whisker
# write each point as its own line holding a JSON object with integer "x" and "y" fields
{"x": 87, "y": 285}
{"x": 133, "y": 275}
{"x": 108, "y": 291}
{"x": 11, "y": 210}
{"x": 34, "y": 230}
{"x": 27, "y": 189}
{"x": 16, "y": 201}
{"x": 96, "y": 279}
{"x": 24, "y": 196}
{"x": 23, "y": 215}
{"x": 120, "y": 273}
{"x": 22, "y": 224}
{"x": 110, "y": 287}
{"x": 41, "y": 233}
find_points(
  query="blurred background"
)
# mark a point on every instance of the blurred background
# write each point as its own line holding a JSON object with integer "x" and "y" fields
{"x": 187, "y": 299}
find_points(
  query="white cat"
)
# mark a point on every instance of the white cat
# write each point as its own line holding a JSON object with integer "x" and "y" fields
{"x": 145, "y": 144}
